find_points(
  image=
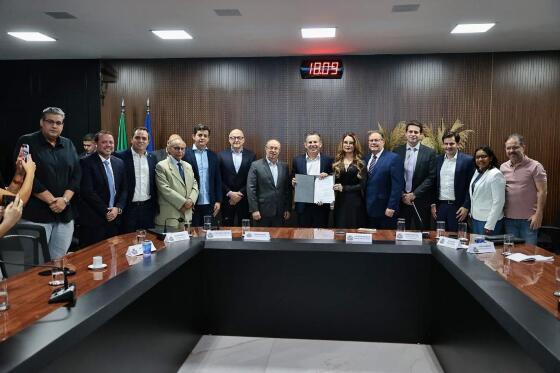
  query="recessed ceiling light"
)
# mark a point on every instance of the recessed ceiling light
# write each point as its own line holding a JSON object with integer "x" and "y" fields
{"x": 172, "y": 34}
{"x": 31, "y": 36}
{"x": 470, "y": 28}
{"x": 317, "y": 32}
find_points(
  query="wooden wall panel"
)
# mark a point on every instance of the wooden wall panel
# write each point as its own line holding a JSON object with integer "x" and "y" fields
{"x": 492, "y": 94}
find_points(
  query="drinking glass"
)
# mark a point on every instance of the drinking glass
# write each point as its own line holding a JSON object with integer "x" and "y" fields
{"x": 207, "y": 223}
{"x": 57, "y": 273}
{"x": 245, "y": 226}
{"x": 4, "y": 305}
{"x": 508, "y": 244}
{"x": 188, "y": 227}
{"x": 140, "y": 236}
{"x": 462, "y": 232}
{"x": 401, "y": 225}
{"x": 557, "y": 292}
{"x": 440, "y": 229}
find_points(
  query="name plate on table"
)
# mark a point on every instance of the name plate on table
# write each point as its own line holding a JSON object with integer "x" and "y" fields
{"x": 451, "y": 243}
{"x": 364, "y": 238}
{"x": 137, "y": 249}
{"x": 323, "y": 234}
{"x": 218, "y": 235}
{"x": 408, "y": 236}
{"x": 176, "y": 237}
{"x": 257, "y": 236}
{"x": 481, "y": 248}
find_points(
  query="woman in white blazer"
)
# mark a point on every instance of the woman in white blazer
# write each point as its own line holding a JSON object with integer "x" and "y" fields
{"x": 488, "y": 193}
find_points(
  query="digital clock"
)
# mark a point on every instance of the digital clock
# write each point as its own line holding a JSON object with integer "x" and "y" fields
{"x": 321, "y": 69}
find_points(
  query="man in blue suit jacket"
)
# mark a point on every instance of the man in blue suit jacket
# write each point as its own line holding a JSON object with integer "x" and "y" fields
{"x": 384, "y": 185}
{"x": 234, "y": 168}
{"x": 312, "y": 162}
{"x": 141, "y": 204}
{"x": 206, "y": 170}
{"x": 103, "y": 192}
{"x": 454, "y": 172}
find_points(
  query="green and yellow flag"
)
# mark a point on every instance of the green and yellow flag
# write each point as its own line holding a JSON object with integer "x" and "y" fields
{"x": 122, "y": 139}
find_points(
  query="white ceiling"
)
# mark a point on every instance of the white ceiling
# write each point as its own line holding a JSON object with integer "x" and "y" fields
{"x": 120, "y": 28}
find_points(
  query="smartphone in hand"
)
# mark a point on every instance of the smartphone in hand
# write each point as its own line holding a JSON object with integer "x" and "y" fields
{"x": 24, "y": 151}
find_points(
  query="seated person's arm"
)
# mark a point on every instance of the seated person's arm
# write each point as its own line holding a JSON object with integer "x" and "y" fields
{"x": 11, "y": 215}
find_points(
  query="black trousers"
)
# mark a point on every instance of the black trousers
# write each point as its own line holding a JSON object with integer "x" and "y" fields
{"x": 138, "y": 216}
{"x": 382, "y": 222}
{"x": 413, "y": 221}
{"x": 270, "y": 221}
{"x": 447, "y": 212}
{"x": 200, "y": 211}
{"x": 314, "y": 216}
{"x": 230, "y": 213}
{"x": 93, "y": 234}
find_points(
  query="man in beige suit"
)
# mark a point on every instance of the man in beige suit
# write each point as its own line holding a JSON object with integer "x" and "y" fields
{"x": 177, "y": 187}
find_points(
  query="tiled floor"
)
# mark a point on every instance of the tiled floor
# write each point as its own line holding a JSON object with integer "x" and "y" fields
{"x": 246, "y": 354}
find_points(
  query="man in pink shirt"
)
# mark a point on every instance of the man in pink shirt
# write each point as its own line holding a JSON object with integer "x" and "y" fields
{"x": 526, "y": 191}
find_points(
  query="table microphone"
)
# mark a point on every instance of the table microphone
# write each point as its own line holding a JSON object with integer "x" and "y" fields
{"x": 180, "y": 220}
{"x": 66, "y": 293}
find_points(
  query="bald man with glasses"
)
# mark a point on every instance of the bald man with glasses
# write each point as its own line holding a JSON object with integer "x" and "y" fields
{"x": 177, "y": 187}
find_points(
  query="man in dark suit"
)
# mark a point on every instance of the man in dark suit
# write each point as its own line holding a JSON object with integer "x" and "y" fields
{"x": 454, "y": 172}
{"x": 234, "y": 168}
{"x": 103, "y": 192}
{"x": 206, "y": 170}
{"x": 385, "y": 182}
{"x": 311, "y": 215}
{"x": 269, "y": 189}
{"x": 419, "y": 177}
{"x": 141, "y": 204}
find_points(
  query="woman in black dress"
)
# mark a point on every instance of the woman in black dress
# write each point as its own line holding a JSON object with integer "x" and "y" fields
{"x": 350, "y": 177}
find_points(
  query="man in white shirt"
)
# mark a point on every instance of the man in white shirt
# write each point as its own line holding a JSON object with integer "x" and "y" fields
{"x": 454, "y": 171}
{"x": 140, "y": 166}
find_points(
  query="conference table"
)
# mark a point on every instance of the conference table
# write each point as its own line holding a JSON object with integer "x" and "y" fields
{"x": 479, "y": 312}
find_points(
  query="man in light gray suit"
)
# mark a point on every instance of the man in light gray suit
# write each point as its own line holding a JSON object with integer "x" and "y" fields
{"x": 177, "y": 187}
{"x": 269, "y": 188}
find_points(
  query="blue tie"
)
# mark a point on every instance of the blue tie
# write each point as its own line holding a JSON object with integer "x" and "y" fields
{"x": 111, "y": 181}
{"x": 372, "y": 164}
{"x": 180, "y": 167}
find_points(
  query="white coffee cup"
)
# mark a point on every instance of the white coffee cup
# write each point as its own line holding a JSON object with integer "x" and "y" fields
{"x": 97, "y": 261}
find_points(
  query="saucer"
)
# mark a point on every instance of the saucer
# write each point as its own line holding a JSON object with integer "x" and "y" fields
{"x": 91, "y": 266}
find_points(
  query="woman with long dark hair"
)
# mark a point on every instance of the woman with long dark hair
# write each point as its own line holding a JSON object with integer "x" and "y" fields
{"x": 350, "y": 176}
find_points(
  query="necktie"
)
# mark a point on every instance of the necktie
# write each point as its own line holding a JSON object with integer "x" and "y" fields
{"x": 111, "y": 181}
{"x": 409, "y": 168}
{"x": 181, "y": 171}
{"x": 372, "y": 164}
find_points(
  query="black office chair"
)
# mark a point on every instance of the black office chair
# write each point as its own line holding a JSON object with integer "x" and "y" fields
{"x": 26, "y": 244}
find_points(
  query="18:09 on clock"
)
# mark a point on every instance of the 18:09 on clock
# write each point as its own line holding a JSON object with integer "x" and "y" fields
{"x": 321, "y": 69}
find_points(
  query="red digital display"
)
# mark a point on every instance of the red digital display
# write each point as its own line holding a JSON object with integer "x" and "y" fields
{"x": 321, "y": 69}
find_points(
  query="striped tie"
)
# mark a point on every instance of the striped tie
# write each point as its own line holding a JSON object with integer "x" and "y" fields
{"x": 372, "y": 164}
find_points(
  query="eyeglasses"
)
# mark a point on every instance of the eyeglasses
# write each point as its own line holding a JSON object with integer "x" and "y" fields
{"x": 236, "y": 138}
{"x": 52, "y": 122}
{"x": 481, "y": 156}
{"x": 178, "y": 148}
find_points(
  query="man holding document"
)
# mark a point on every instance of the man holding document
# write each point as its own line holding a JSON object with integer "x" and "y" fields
{"x": 385, "y": 181}
{"x": 313, "y": 185}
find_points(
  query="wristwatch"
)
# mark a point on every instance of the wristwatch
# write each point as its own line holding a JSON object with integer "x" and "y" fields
{"x": 119, "y": 211}
{"x": 66, "y": 200}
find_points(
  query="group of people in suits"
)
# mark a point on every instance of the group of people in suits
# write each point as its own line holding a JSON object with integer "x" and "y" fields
{"x": 135, "y": 189}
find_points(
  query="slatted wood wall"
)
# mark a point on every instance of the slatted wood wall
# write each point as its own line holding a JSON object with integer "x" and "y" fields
{"x": 493, "y": 94}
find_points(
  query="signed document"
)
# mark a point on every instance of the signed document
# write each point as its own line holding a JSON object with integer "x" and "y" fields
{"x": 311, "y": 189}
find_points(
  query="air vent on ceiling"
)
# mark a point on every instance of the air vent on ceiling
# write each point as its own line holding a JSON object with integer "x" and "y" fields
{"x": 227, "y": 12}
{"x": 405, "y": 8}
{"x": 60, "y": 15}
